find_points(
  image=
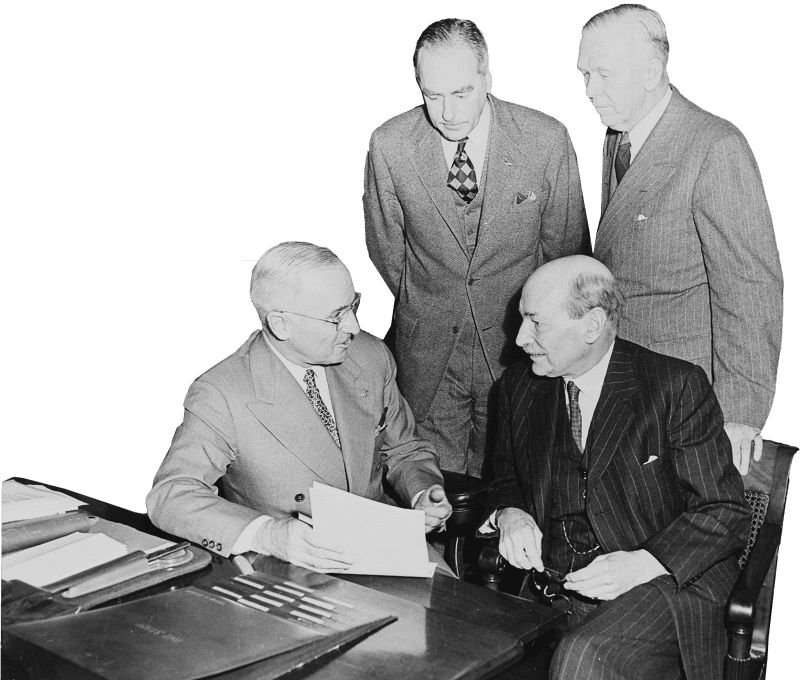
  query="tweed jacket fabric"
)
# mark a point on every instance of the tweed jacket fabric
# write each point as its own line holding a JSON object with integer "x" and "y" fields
{"x": 660, "y": 477}
{"x": 532, "y": 212}
{"x": 688, "y": 235}
{"x": 250, "y": 430}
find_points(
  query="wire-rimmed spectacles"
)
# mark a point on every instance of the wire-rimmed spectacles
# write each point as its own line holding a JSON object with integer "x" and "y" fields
{"x": 336, "y": 320}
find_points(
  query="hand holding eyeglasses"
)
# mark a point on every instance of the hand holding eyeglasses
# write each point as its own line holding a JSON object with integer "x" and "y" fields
{"x": 520, "y": 539}
{"x": 611, "y": 575}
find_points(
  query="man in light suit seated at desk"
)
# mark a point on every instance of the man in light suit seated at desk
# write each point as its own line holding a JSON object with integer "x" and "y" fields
{"x": 308, "y": 397}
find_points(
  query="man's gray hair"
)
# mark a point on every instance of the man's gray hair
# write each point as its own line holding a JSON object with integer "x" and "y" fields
{"x": 588, "y": 291}
{"x": 450, "y": 32}
{"x": 276, "y": 275}
{"x": 647, "y": 20}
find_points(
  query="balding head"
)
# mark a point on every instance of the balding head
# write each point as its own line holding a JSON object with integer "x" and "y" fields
{"x": 570, "y": 312}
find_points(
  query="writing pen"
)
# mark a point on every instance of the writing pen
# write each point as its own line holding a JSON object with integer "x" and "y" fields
{"x": 111, "y": 573}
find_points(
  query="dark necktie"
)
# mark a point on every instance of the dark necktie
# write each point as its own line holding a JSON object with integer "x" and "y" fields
{"x": 623, "y": 160}
{"x": 575, "y": 414}
{"x": 462, "y": 178}
{"x": 319, "y": 406}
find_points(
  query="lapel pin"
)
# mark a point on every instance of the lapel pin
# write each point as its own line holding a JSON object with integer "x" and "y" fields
{"x": 364, "y": 393}
{"x": 508, "y": 163}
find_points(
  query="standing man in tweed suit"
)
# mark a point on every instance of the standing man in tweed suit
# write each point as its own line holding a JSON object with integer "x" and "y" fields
{"x": 462, "y": 198}
{"x": 612, "y": 468}
{"x": 685, "y": 227}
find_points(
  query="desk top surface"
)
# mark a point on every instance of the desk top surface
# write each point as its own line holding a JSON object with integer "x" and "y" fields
{"x": 445, "y": 629}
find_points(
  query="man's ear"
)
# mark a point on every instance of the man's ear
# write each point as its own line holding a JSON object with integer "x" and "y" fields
{"x": 655, "y": 69}
{"x": 277, "y": 323}
{"x": 595, "y": 321}
{"x": 488, "y": 80}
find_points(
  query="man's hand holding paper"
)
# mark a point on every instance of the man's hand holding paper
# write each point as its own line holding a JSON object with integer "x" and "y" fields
{"x": 294, "y": 541}
{"x": 436, "y": 506}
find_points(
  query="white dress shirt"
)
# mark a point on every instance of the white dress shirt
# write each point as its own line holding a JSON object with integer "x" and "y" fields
{"x": 477, "y": 142}
{"x": 590, "y": 385}
{"x": 641, "y": 131}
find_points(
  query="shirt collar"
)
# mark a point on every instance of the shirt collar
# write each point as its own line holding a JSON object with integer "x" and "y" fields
{"x": 591, "y": 382}
{"x": 297, "y": 371}
{"x": 641, "y": 131}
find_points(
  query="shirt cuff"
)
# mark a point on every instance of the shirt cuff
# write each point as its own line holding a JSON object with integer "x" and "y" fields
{"x": 245, "y": 541}
{"x": 416, "y": 497}
{"x": 490, "y": 525}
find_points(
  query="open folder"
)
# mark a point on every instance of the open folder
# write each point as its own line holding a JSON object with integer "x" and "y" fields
{"x": 384, "y": 540}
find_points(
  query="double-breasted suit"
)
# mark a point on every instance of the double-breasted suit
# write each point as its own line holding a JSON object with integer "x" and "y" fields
{"x": 532, "y": 212}
{"x": 688, "y": 235}
{"x": 251, "y": 443}
{"x": 660, "y": 478}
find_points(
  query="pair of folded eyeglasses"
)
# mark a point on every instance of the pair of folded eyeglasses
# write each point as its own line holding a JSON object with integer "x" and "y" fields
{"x": 550, "y": 583}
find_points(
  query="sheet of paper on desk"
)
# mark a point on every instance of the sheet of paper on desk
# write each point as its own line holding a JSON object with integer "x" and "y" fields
{"x": 384, "y": 540}
{"x": 26, "y": 502}
{"x": 60, "y": 558}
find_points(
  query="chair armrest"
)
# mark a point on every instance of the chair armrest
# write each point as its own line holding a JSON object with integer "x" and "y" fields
{"x": 740, "y": 611}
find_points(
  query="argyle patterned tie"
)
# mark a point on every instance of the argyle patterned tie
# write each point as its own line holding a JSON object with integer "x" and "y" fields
{"x": 623, "y": 160}
{"x": 319, "y": 406}
{"x": 575, "y": 414}
{"x": 462, "y": 178}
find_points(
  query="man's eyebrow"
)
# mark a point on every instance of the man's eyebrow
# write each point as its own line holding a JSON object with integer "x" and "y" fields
{"x": 429, "y": 93}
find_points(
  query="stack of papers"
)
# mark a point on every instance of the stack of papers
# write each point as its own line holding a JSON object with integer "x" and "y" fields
{"x": 384, "y": 540}
{"x": 26, "y": 502}
{"x": 61, "y": 558}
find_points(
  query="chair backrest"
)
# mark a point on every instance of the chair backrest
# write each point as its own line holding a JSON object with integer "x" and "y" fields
{"x": 766, "y": 486}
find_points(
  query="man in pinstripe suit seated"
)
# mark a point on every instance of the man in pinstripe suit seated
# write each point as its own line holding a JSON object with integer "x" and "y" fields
{"x": 614, "y": 478}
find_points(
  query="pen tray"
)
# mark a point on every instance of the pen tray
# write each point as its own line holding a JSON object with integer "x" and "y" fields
{"x": 23, "y": 602}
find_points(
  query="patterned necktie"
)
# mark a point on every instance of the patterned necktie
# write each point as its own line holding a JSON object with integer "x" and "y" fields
{"x": 575, "y": 414}
{"x": 462, "y": 178}
{"x": 319, "y": 406}
{"x": 623, "y": 160}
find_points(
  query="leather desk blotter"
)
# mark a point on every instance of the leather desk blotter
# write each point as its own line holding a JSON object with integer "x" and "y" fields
{"x": 186, "y": 634}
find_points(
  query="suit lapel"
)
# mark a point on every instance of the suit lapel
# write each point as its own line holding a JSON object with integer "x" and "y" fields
{"x": 541, "y": 419}
{"x": 653, "y": 166}
{"x": 428, "y": 160}
{"x": 613, "y": 415}
{"x": 505, "y": 164}
{"x": 356, "y": 425}
{"x": 284, "y": 409}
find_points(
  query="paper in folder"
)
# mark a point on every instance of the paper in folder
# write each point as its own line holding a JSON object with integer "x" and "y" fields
{"x": 384, "y": 539}
{"x": 261, "y": 626}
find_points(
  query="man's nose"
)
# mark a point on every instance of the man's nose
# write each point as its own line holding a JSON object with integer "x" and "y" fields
{"x": 523, "y": 337}
{"x": 593, "y": 85}
{"x": 350, "y": 323}
{"x": 448, "y": 109}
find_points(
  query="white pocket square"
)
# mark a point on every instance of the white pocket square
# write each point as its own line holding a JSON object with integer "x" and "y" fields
{"x": 651, "y": 459}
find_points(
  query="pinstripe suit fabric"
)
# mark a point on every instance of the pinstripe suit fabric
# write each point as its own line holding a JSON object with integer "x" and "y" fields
{"x": 686, "y": 506}
{"x": 688, "y": 235}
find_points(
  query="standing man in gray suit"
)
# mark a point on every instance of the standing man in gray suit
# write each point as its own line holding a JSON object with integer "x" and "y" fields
{"x": 685, "y": 227}
{"x": 463, "y": 197}
{"x": 306, "y": 398}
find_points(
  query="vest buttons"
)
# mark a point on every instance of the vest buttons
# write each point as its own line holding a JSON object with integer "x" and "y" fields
{"x": 299, "y": 498}
{"x": 455, "y": 330}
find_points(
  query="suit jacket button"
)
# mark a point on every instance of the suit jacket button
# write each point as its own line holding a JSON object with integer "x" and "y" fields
{"x": 299, "y": 498}
{"x": 471, "y": 281}
{"x": 205, "y": 543}
{"x": 455, "y": 330}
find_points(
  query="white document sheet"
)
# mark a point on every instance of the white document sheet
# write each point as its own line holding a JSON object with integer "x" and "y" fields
{"x": 28, "y": 502}
{"x": 62, "y": 557}
{"x": 384, "y": 540}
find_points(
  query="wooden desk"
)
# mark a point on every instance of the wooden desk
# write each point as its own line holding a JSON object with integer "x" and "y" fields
{"x": 446, "y": 628}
